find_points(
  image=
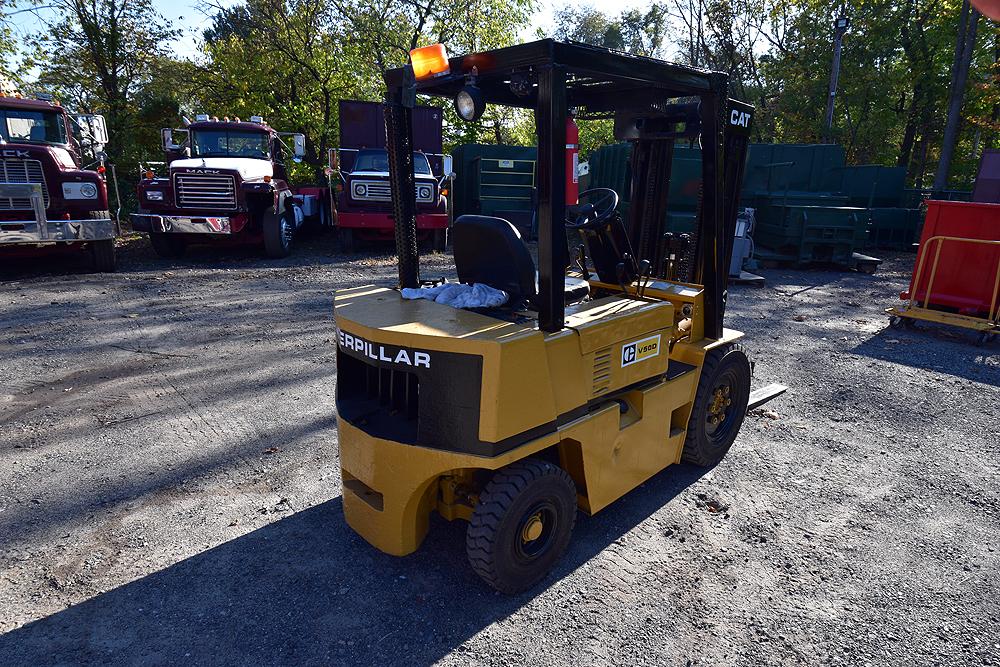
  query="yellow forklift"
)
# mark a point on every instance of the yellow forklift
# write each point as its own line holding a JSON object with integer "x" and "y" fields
{"x": 597, "y": 373}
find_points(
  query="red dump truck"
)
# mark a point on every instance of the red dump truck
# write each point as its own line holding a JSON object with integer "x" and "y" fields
{"x": 361, "y": 165}
{"x": 227, "y": 183}
{"x": 49, "y": 202}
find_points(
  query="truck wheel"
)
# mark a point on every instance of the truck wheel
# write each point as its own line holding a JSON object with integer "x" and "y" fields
{"x": 440, "y": 243}
{"x": 167, "y": 246}
{"x": 521, "y": 525}
{"x": 278, "y": 234}
{"x": 102, "y": 255}
{"x": 720, "y": 406}
{"x": 346, "y": 237}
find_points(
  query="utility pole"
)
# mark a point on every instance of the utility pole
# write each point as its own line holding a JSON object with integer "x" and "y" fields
{"x": 839, "y": 28}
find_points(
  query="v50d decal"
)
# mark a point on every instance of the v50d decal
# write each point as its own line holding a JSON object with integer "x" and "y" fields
{"x": 640, "y": 350}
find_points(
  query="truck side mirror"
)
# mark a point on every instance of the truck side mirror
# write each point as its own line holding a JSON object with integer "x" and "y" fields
{"x": 299, "y": 146}
{"x": 332, "y": 159}
{"x": 94, "y": 127}
{"x": 168, "y": 140}
{"x": 447, "y": 163}
{"x": 100, "y": 129}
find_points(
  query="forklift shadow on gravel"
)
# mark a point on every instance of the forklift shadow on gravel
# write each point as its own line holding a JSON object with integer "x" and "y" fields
{"x": 307, "y": 590}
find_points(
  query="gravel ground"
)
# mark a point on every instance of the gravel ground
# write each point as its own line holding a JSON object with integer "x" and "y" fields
{"x": 171, "y": 493}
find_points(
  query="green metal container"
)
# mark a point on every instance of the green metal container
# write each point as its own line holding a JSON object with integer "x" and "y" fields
{"x": 610, "y": 168}
{"x": 895, "y": 228}
{"x": 775, "y": 168}
{"x": 803, "y": 235}
{"x": 496, "y": 180}
{"x": 868, "y": 185}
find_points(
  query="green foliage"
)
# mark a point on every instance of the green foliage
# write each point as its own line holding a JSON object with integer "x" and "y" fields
{"x": 292, "y": 60}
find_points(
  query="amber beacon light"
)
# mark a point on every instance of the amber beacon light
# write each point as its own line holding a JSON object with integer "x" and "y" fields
{"x": 429, "y": 61}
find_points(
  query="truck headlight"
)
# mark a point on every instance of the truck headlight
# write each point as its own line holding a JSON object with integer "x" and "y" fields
{"x": 424, "y": 193}
{"x": 359, "y": 190}
{"x": 79, "y": 191}
{"x": 154, "y": 195}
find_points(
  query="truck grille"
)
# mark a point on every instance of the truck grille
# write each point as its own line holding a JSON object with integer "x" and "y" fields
{"x": 215, "y": 191}
{"x": 21, "y": 171}
{"x": 381, "y": 191}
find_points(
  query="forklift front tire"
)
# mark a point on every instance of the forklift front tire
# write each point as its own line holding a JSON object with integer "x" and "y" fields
{"x": 521, "y": 525}
{"x": 720, "y": 406}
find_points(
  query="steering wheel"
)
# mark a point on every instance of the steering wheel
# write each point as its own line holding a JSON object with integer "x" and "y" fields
{"x": 592, "y": 214}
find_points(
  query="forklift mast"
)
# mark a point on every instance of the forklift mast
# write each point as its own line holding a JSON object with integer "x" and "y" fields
{"x": 642, "y": 95}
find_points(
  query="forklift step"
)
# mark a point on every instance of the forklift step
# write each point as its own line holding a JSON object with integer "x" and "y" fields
{"x": 761, "y": 396}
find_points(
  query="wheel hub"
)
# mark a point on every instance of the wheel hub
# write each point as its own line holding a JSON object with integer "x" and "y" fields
{"x": 532, "y": 529}
{"x": 721, "y": 401}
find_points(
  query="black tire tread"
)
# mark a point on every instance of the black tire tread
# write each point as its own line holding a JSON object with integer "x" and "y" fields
{"x": 274, "y": 247}
{"x": 497, "y": 497}
{"x": 693, "y": 452}
{"x": 167, "y": 246}
{"x": 102, "y": 253}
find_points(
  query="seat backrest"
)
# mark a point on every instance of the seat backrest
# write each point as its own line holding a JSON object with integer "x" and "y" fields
{"x": 490, "y": 251}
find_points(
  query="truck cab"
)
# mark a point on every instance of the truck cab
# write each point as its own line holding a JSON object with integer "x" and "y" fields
{"x": 225, "y": 181}
{"x": 48, "y": 200}
{"x": 364, "y": 200}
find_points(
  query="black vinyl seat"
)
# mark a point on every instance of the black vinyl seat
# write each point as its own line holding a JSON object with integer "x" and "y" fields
{"x": 491, "y": 251}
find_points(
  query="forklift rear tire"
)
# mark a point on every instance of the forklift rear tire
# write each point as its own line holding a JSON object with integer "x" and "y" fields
{"x": 521, "y": 525}
{"x": 102, "y": 256}
{"x": 166, "y": 246}
{"x": 720, "y": 406}
{"x": 278, "y": 232}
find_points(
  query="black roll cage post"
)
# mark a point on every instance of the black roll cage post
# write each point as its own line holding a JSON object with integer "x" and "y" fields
{"x": 561, "y": 76}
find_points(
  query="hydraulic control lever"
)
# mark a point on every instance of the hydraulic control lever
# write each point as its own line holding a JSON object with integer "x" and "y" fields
{"x": 581, "y": 261}
{"x": 622, "y": 272}
{"x": 644, "y": 268}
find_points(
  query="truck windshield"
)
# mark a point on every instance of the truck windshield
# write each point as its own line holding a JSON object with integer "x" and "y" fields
{"x": 226, "y": 143}
{"x": 376, "y": 160}
{"x": 41, "y": 127}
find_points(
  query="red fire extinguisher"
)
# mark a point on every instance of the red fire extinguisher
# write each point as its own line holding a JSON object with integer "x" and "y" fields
{"x": 572, "y": 160}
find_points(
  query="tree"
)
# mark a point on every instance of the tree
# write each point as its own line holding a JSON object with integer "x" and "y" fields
{"x": 9, "y": 72}
{"x": 111, "y": 57}
{"x": 964, "y": 46}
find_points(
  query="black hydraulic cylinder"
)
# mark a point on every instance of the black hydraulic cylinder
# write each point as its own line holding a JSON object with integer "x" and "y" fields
{"x": 711, "y": 267}
{"x": 551, "y": 115}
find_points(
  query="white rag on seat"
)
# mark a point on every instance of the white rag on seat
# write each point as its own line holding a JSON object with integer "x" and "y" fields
{"x": 459, "y": 295}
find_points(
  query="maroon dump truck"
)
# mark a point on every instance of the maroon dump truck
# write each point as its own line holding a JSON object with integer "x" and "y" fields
{"x": 226, "y": 182}
{"x": 364, "y": 200}
{"x": 48, "y": 201}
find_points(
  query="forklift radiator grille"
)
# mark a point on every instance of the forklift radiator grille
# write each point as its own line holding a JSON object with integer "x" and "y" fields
{"x": 216, "y": 191}
{"x": 21, "y": 171}
{"x": 395, "y": 390}
{"x": 383, "y": 401}
{"x": 602, "y": 371}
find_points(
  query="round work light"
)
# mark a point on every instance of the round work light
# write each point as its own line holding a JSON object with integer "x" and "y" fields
{"x": 469, "y": 104}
